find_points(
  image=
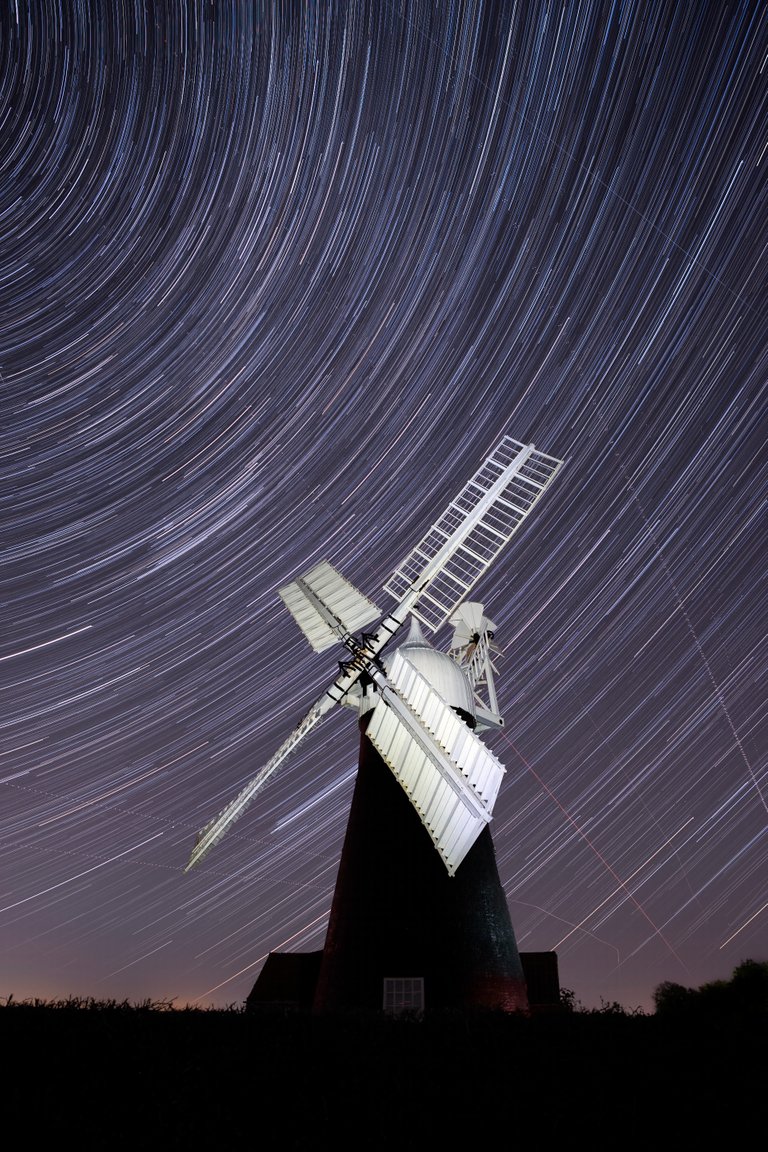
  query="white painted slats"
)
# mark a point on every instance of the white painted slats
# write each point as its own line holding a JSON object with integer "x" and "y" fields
{"x": 326, "y": 605}
{"x": 449, "y": 775}
{"x": 452, "y": 825}
{"x": 471, "y": 757}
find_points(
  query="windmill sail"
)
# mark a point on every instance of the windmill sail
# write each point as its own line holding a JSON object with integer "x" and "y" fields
{"x": 326, "y": 606}
{"x": 210, "y": 835}
{"x": 429, "y": 584}
{"x": 451, "y": 778}
{"x": 459, "y": 548}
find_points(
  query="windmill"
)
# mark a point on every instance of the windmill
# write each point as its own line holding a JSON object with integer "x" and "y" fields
{"x": 423, "y": 767}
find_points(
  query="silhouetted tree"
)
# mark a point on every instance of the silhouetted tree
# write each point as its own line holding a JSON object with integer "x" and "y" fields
{"x": 745, "y": 993}
{"x": 749, "y": 985}
{"x": 672, "y": 999}
{"x": 568, "y": 1001}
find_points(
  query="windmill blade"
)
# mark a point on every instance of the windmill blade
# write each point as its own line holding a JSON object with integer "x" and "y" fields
{"x": 458, "y": 549}
{"x": 479, "y": 767}
{"x": 326, "y": 606}
{"x": 451, "y": 778}
{"x": 212, "y": 833}
{"x": 363, "y": 655}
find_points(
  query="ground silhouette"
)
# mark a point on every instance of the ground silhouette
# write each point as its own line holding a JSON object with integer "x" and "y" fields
{"x": 105, "y": 1075}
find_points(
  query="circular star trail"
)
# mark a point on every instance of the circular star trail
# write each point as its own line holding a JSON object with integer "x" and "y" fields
{"x": 274, "y": 279}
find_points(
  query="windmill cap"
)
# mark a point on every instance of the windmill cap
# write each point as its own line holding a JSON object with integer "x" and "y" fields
{"x": 439, "y": 670}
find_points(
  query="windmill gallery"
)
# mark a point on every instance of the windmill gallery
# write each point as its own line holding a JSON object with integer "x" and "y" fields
{"x": 419, "y": 919}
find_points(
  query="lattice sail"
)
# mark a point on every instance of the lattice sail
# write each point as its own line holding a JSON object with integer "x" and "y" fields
{"x": 459, "y": 548}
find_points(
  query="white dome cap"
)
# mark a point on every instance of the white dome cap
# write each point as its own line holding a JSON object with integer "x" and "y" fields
{"x": 439, "y": 670}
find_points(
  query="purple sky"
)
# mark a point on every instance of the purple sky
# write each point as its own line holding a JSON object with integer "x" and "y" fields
{"x": 271, "y": 287}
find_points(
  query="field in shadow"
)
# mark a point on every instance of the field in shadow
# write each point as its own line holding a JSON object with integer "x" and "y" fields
{"x": 116, "y": 1076}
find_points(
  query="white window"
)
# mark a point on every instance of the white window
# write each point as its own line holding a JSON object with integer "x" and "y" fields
{"x": 403, "y": 994}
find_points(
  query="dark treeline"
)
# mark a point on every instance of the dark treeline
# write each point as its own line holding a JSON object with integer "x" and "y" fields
{"x": 108, "y": 1075}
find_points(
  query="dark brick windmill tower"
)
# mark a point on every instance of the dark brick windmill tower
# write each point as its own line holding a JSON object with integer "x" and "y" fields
{"x": 411, "y": 927}
{"x": 419, "y": 917}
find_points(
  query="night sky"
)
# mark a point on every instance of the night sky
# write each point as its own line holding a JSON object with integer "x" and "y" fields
{"x": 274, "y": 279}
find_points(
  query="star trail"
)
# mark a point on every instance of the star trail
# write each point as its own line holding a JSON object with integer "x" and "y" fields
{"x": 274, "y": 279}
